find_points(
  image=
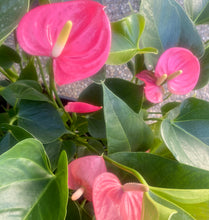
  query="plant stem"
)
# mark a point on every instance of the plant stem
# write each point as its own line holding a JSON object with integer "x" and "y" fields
{"x": 43, "y": 77}
{"x": 8, "y": 76}
{"x": 53, "y": 88}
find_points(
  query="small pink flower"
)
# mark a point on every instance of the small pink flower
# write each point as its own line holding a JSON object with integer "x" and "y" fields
{"x": 76, "y": 34}
{"x": 113, "y": 201}
{"x": 82, "y": 173}
{"x": 81, "y": 107}
{"x": 178, "y": 67}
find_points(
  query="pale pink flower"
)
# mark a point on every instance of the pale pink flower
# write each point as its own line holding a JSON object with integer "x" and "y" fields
{"x": 113, "y": 201}
{"x": 82, "y": 173}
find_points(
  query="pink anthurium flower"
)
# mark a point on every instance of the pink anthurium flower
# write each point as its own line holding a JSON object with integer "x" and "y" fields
{"x": 82, "y": 173}
{"x": 178, "y": 67}
{"x": 113, "y": 201}
{"x": 76, "y": 34}
{"x": 81, "y": 107}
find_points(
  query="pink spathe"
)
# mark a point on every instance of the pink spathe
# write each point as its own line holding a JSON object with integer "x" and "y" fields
{"x": 81, "y": 107}
{"x": 87, "y": 47}
{"x": 112, "y": 202}
{"x": 171, "y": 61}
{"x": 83, "y": 171}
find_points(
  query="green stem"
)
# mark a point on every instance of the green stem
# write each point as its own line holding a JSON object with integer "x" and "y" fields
{"x": 127, "y": 169}
{"x": 53, "y": 88}
{"x": 8, "y": 76}
{"x": 43, "y": 77}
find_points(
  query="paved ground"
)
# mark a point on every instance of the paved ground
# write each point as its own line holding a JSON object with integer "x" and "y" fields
{"x": 117, "y": 9}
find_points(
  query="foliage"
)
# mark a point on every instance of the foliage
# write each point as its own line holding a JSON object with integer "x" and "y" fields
{"x": 51, "y": 146}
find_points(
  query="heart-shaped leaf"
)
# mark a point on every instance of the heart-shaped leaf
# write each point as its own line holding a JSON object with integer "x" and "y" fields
{"x": 198, "y": 10}
{"x": 125, "y": 39}
{"x": 41, "y": 119}
{"x": 34, "y": 191}
{"x": 10, "y": 14}
{"x": 186, "y": 136}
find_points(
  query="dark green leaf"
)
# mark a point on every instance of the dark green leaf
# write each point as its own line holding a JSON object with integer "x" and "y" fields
{"x": 34, "y": 191}
{"x": 41, "y": 119}
{"x": 125, "y": 39}
{"x": 198, "y": 10}
{"x": 186, "y": 136}
{"x": 23, "y": 89}
{"x": 10, "y": 14}
{"x": 7, "y": 142}
{"x": 128, "y": 130}
{"x": 8, "y": 56}
{"x": 161, "y": 172}
{"x": 29, "y": 72}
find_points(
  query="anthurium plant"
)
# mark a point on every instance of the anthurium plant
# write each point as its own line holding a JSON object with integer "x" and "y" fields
{"x": 122, "y": 150}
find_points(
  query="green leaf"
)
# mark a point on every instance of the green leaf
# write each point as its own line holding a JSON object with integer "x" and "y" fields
{"x": 186, "y": 136}
{"x": 191, "y": 203}
{"x": 29, "y": 72}
{"x": 23, "y": 89}
{"x": 204, "y": 71}
{"x": 34, "y": 191}
{"x": 41, "y": 119}
{"x": 198, "y": 10}
{"x": 125, "y": 39}
{"x": 10, "y": 14}
{"x": 127, "y": 131}
{"x": 161, "y": 172}
{"x": 8, "y": 56}
{"x": 167, "y": 25}
{"x": 7, "y": 142}
{"x": 153, "y": 210}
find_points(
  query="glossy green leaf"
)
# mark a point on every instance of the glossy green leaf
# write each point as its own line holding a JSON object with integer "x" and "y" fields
{"x": 167, "y": 25}
{"x": 41, "y": 119}
{"x": 8, "y": 56}
{"x": 10, "y": 14}
{"x": 7, "y": 142}
{"x": 198, "y": 10}
{"x": 190, "y": 204}
{"x": 204, "y": 71}
{"x": 153, "y": 210}
{"x": 34, "y": 191}
{"x": 23, "y": 89}
{"x": 161, "y": 172}
{"x": 125, "y": 39}
{"x": 186, "y": 136}
{"x": 127, "y": 133}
